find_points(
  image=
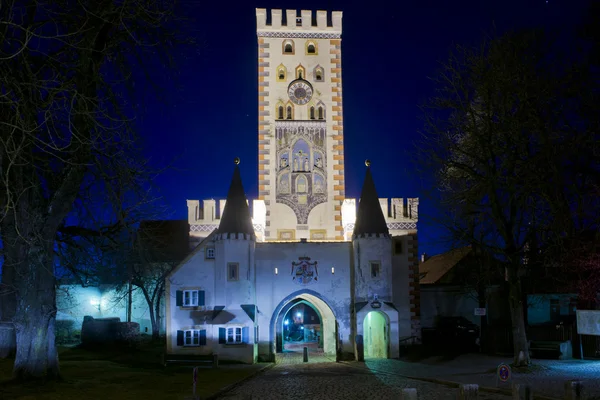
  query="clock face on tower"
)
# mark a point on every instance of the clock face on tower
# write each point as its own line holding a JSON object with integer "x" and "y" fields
{"x": 300, "y": 92}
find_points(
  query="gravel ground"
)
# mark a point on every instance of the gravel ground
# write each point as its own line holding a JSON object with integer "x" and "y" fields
{"x": 329, "y": 381}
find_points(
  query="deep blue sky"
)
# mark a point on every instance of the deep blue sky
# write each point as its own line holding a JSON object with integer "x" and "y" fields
{"x": 389, "y": 49}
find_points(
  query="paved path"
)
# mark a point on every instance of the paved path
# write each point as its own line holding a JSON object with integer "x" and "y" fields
{"x": 547, "y": 378}
{"x": 332, "y": 381}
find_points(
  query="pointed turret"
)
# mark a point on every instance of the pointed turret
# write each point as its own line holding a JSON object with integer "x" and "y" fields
{"x": 236, "y": 214}
{"x": 369, "y": 217}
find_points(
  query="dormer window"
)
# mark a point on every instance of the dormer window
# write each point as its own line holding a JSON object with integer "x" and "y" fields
{"x": 311, "y": 48}
{"x": 281, "y": 74}
{"x": 280, "y": 112}
{"x": 321, "y": 113}
{"x": 288, "y": 47}
{"x": 289, "y": 112}
{"x": 312, "y": 113}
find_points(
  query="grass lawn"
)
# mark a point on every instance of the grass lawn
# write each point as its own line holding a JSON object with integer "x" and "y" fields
{"x": 112, "y": 374}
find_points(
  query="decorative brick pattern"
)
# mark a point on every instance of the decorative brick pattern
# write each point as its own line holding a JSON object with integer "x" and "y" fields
{"x": 263, "y": 124}
{"x": 338, "y": 138}
{"x": 413, "y": 285}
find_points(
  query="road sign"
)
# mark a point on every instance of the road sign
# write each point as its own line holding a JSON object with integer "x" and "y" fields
{"x": 503, "y": 372}
{"x": 480, "y": 311}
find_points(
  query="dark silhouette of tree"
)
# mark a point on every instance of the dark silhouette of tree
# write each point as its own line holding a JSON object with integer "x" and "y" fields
{"x": 67, "y": 71}
{"x": 510, "y": 138}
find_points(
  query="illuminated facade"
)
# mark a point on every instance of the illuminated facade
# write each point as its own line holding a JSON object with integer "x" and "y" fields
{"x": 306, "y": 247}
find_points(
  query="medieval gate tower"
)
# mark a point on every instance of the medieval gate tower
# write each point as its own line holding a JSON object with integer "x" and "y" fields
{"x": 300, "y": 128}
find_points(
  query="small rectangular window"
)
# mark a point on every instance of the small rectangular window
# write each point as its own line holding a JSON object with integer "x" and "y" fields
{"x": 375, "y": 269}
{"x": 210, "y": 253}
{"x": 233, "y": 271}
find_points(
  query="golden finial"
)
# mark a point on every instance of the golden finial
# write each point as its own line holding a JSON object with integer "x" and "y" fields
{"x": 368, "y": 163}
{"x": 237, "y": 161}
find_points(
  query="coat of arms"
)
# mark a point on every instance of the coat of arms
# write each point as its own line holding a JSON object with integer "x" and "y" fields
{"x": 304, "y": 271}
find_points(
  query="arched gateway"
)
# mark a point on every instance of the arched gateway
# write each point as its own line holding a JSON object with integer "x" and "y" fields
{"x": 304, "y": 318}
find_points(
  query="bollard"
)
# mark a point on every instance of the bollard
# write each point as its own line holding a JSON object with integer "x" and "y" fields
{"x": 468, "y": 392}
{"x": 305, "y": 359}
{"x": 360, "y": 348}
{"x": 573, "y": 390}
{"x": 521, "y": 391}
{"x": 409, "y": 394}
{"x": 215, "y": 361}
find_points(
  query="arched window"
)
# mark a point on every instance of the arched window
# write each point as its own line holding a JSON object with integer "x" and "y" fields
{"x": 281, "y": 73}
{"x": 320, "y": 112}
{"x": 312, "y": 113}
{"x": 311, "y": 48}
{"x": 300, "y": 72}
{"x": 280, "y": 112}
{"x": 289, "y": 112}
{"x": 288, "y": 47}
{"x": 319, "y": 74}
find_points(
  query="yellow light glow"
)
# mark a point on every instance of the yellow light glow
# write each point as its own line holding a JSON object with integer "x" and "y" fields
{"x": 276, "y": 271}
{"x": 333, "y": 270}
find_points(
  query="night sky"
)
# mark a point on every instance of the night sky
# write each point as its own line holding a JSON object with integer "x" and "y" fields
{"x": 389, "y": 51}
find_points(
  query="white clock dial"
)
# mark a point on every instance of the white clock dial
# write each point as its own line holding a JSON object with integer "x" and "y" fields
{"x": 300, "y": 92}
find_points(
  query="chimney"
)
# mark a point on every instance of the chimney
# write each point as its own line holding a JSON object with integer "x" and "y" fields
{"x": 424, "y": 257}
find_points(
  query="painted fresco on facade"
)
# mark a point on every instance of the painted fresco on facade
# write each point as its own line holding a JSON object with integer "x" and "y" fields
{"x": 301, "y": 177}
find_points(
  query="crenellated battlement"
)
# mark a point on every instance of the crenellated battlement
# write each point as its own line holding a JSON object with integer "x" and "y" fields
{"x": 401, "y": 216}
{"x": 298, "y": 23}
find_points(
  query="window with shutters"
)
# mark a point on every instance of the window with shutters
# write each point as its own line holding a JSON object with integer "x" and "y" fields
{"x": 189, "y": 298}
{"x": 234, "y": 334}
{"x": 191, "y": 337}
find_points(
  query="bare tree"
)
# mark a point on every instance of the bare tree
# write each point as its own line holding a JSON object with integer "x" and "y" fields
{"x": 501, "y": 137}
{"x": 158, "y": 248}
{"x": 65, "y": 71}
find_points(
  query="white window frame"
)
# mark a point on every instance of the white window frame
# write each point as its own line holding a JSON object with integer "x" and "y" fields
{"x": 233, "y": 333}
{"x": 237, "y": 271}
{"x": 210, "y": 253}
{"x": 188, "y": 301}
{"x": 192, "y": 338}
{"x": 378, "y": 269}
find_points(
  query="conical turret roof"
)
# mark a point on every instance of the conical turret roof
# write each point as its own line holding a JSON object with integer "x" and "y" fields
{"x": 369, "y": 217}
{"x": 236, "y": 214}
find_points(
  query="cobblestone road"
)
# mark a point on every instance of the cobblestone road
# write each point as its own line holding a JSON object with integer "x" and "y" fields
{"x": 332, "y": 381}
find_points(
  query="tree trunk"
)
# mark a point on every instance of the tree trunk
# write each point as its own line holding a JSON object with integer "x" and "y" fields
{"x": 37, "y": 355}
{"x": 520, "y": 345}
{"x": 156, "y": 329}
{"x": 150, "y": 311}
